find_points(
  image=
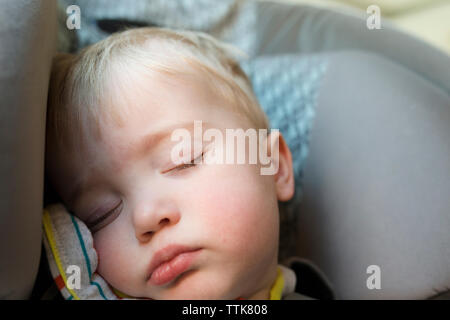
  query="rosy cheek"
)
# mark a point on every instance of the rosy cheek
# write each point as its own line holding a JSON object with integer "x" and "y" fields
{"x": 230, "y": 213}
{"x": 110, "y": 257}
{"x": 103, "y": 252}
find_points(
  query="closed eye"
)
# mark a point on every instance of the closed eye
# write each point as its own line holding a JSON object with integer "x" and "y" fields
{"x": 99, "y": 222}
{"x": 183, "y": 166}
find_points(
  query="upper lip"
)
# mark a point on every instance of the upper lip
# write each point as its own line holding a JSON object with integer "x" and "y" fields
{"x": 166, "y": 254}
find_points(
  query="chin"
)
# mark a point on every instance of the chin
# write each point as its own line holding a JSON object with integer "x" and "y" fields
{"x": 195, "y": 294}
{"x": 198, "y": 289}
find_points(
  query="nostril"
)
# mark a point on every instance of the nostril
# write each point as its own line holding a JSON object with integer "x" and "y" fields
{"x": 164, "y": 221}
{"x": 149, "y": 233}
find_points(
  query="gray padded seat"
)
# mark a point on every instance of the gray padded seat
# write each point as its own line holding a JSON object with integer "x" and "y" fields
{"x": 377, "y": 180}
{"x": 27, "y": 44}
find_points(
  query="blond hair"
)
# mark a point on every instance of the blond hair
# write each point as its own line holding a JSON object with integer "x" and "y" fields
{"x": 79, "y": 83}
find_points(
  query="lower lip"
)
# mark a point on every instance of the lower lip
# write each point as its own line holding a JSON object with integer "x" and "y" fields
{"x": 169, "y": 270}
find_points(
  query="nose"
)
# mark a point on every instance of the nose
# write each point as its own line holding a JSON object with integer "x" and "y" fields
{"x": 150, "y": 219}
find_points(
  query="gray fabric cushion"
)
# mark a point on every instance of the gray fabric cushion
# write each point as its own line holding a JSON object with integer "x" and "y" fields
{"x": 376, "y": 180}
{"x": 270, "y": 27}
{"x": 286, "y": 87}
{"x": 302, "y": 28}
{"x": 27, "y": 40}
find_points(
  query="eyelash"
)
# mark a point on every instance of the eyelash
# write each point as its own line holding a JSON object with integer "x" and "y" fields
{"x": 94, "y": 225}
{"x": 186, "y": 165}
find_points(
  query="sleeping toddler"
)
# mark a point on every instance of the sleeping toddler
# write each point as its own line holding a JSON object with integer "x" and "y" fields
{"x": 138, "y": 148}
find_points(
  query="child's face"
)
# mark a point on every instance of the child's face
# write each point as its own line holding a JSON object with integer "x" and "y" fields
{"x": 227, "y": 211}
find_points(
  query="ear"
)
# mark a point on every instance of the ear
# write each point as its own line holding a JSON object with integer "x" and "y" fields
{"x": 284, "y": 176}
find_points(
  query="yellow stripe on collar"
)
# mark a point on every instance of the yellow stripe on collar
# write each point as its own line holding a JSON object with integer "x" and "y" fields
{"x": 120, "y": 294}
{"x": 277, "y": 288}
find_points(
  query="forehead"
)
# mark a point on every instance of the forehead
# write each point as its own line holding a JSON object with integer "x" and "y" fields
{"x": 145, "y": 104}
{"x": 157, "y": 94}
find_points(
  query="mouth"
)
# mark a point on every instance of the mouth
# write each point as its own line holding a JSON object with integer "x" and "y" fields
{"x": 170, "y": 262}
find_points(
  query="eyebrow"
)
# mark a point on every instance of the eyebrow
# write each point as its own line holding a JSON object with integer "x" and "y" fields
{"x": 150, "y": 141}
{"x": 146, "y": 144}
